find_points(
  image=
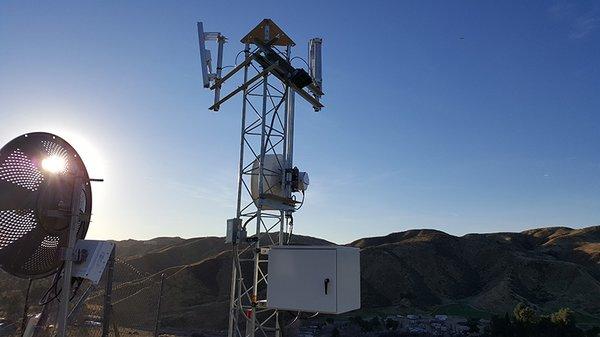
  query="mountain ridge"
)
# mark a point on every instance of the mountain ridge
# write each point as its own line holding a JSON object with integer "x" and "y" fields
{"x": 421, "y": 269}
{"x": 413, "y": 270}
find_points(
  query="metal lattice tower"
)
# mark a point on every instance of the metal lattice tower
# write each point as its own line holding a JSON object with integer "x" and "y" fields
{"x": 268, "y": 92}
{"x": 267, "y": 128}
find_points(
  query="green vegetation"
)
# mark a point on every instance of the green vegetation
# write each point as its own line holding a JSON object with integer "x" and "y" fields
{"x": 524, "y": 313}
{"x": 525, "y": 322}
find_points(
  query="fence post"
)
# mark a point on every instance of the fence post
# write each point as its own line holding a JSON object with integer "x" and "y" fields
{"x": 108, "y": 295}
{"x": 160, "y": 293}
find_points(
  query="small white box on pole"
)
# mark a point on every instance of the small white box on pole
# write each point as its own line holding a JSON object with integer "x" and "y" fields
{"x": 96, "y": 256}
{"x": 323, "y": 279}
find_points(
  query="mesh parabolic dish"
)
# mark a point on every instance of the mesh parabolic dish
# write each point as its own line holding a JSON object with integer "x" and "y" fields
{"x": 33, "y": 223}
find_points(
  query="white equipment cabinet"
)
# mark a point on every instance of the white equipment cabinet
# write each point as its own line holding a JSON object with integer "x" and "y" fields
{"x": 323, "y": 279}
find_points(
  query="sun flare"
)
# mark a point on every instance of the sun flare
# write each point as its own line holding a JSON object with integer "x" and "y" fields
{"x": 54, "y": 164}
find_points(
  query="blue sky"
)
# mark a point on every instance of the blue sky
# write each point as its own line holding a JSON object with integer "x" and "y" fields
{"x": 464, "y": 116}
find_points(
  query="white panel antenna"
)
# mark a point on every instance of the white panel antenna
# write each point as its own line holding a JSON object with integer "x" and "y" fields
{"x": 208, "y": 76}
{"x": 315, "y": 65}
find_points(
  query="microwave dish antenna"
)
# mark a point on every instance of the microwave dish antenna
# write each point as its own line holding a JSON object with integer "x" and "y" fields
{"x": 45, "y": 208}
{"x": 35, "y": 192}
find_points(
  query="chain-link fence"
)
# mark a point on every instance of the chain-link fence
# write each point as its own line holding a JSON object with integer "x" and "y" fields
{"x": 142, "y": 304}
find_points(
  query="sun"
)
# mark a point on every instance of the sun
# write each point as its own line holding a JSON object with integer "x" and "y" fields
{"x": 54, "y": 164}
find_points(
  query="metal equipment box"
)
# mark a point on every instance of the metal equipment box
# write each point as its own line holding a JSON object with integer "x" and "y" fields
{"x": 323, "y": 279}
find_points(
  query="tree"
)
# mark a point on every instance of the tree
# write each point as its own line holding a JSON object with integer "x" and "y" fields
{"x": 525, "y": 314}
{"x": 563, "y": 317}
{"x": 527, "y": 324}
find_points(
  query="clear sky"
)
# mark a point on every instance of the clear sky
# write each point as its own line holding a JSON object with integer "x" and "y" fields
{"x": 473, "y": 116}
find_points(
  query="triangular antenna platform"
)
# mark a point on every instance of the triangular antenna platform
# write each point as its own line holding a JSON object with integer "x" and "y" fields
{"x": 268, "y": 33}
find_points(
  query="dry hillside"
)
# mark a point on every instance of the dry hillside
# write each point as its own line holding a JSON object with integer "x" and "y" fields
{"x": 417, "y": 269}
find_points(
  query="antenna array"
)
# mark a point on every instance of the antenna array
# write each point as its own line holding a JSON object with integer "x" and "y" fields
{"x": 267, "y": 180}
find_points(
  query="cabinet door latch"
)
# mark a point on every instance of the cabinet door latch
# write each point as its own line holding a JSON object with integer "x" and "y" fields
{"x": 326, "y": 283}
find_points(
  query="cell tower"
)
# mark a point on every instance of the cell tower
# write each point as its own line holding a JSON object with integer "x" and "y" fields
{"x": 269, "y": 185}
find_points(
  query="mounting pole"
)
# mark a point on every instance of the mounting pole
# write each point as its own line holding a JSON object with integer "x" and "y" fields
{"x": 65, "y": 295}
{"x": 220, "y": 42}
